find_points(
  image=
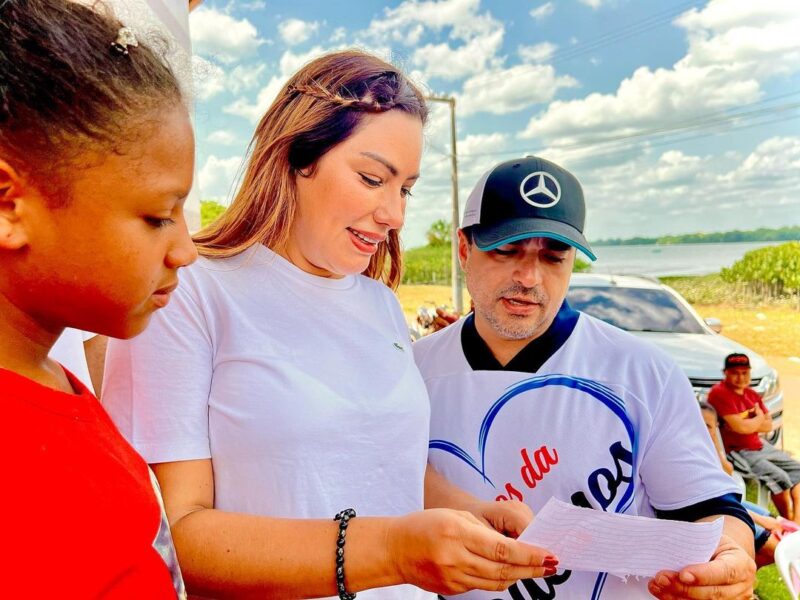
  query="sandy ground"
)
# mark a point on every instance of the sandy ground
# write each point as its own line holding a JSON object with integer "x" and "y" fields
{"x": 789, "y": 372}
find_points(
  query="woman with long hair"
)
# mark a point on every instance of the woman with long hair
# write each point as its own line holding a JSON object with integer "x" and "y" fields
{"x": 278, "y": 388}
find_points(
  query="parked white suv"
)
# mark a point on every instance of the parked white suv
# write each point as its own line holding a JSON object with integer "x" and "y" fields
{"x": 653, "y": 311}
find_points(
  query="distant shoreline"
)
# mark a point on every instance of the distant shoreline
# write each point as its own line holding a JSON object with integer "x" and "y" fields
{"x": 783, "y": 234}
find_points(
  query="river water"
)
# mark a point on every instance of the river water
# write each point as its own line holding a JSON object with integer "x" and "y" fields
{"x": 679, "y": 259}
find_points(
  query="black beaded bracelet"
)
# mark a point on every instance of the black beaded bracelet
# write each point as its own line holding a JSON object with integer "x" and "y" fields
{"x": 343, "y": 518}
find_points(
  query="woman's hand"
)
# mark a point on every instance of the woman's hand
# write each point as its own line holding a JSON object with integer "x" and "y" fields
{"x": 449, "y": 552}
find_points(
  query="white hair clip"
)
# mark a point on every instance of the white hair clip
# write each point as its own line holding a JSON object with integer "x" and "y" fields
{"x": 125, "y": 39}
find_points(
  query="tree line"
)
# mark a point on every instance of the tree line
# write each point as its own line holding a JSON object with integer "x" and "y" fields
{"x": 763, "y": 234}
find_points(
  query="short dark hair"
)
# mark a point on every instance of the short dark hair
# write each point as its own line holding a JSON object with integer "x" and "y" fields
{"x": 468, "y": 233}
{"x": 558, "y": 245}
{"x": 63, "y": 90}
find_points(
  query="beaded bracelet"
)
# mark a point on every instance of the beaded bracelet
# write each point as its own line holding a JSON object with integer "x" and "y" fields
{"x": 343, "y": 518}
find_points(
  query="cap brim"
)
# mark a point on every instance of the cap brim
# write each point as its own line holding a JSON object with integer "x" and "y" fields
{"x": 514, "y": 230}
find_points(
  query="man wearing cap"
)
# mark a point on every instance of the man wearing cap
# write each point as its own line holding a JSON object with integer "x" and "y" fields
{"x": 744, "y": 416}
{"x": 531, "y": 399}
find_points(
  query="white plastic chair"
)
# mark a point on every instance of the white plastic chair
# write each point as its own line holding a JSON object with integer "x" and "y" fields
{"x": 787, "y": 559}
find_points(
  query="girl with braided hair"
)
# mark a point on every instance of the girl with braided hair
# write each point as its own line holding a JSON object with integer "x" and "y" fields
{"x": 96, "y": 158}
{"x": 279, "y": 388}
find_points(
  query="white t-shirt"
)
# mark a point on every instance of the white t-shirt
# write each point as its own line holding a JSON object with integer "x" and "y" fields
{"x": 71, "y": 353}
{"x": 303, "y": 391}
{"x": 607, "y": 421}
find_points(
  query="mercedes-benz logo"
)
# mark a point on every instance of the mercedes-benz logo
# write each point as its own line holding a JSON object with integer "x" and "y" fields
{"x": 545, "y": 193}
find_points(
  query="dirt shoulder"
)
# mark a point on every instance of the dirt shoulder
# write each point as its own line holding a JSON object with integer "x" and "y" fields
{"x": 790, "y": 383}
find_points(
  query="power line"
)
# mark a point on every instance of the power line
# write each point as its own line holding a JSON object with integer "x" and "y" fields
{"x": 638, "y": 27}
{"x": 631, "y": 144}
{"x": 700, "y": 122}
{"x": 612, "y": 37}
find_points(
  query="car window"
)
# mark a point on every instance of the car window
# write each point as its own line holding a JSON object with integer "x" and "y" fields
{"x": 634, "y": 309}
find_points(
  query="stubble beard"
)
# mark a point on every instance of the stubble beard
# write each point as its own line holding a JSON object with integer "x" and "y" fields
{"x": 513, "y": 327}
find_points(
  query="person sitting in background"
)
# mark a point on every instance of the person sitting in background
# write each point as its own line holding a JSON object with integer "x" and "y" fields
{"x": 769, "y": 530}
{"x": 744, "y": 416}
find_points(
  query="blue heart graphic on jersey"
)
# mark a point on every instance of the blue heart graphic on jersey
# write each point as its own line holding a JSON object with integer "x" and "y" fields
{"x": 594, "y": 389}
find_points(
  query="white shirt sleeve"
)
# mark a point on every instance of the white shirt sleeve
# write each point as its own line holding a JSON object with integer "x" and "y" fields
{"x": 156, "y": 385}
{"x": 679, "y": 455}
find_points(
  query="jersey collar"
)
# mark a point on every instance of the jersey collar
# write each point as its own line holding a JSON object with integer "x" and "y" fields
{"x": 531, "y": 357}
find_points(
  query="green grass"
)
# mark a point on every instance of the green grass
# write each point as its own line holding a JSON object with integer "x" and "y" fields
{"x": 769, "y": 585}
{"x": 712, "y": 289}
{"x": 427, "y": 265}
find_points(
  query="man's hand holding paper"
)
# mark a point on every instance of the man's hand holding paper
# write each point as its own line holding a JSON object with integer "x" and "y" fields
{"x": 686, "y": 560}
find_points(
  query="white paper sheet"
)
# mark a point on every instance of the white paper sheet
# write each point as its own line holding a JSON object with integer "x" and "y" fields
{"x": 592, "y": 540}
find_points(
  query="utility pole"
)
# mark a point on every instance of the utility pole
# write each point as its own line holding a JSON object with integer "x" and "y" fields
{"x": 455, "y": 270}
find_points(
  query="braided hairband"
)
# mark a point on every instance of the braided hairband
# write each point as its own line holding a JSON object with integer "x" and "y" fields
{"x": 320, "y": 92}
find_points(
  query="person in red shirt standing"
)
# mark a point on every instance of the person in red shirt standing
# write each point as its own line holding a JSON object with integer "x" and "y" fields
{"x": 744, "y": 416}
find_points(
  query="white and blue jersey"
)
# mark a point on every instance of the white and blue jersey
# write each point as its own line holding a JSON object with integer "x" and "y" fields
{"x": 586, "y": 413}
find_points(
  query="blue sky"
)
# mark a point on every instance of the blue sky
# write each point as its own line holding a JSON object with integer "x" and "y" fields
{"x": 676, "y": 116}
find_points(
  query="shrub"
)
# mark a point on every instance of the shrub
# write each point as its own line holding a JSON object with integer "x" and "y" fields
{"x": 775, "y": 269}
{"x": 209, "y": 211}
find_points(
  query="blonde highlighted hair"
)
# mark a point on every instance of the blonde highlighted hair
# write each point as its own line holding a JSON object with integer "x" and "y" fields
{"x": 319, "y": 107}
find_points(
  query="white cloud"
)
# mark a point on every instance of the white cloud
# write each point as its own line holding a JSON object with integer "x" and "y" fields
{"x": 222, "y": 36}
{"x": 773, "y": 159}
{"x": 443, "y": 61}
{"x": 733, "y": 48}
{"x": 537, "y": 53}
{"x": 222, "y": 137}
{"x": 217, "y": 176}
{"x": 760, "y": 37}
{"x": 407, "y": 22}
{"x": 676, "y": 192}
{"x": 297, "y": 31}
{"x": 543, "y": 11}
{"x": 254, "y": 5}
{"x": 646, "y": 99}
{"x": 291, "y": 62}
{"x": 253, "y": 111}
{"x": 673, "y": 168}
{"x": 245, "y": 77}
{"x": 595, "y": 4}
{"x": 502, "y": 91}
{"x": 338, "y": 35}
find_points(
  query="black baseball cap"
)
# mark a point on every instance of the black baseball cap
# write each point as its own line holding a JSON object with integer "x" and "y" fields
{"x": 737, "y": 359}
{"x": 525, "y": 198}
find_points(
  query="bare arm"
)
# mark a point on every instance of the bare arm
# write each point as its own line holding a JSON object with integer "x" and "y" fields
{"x": 743, "y": 423}
{"x": 239, "y": 555}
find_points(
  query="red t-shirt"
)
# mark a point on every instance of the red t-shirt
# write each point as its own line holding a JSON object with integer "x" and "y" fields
{"x": 727, "y": 402}
{"x": 81, "y": 518}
